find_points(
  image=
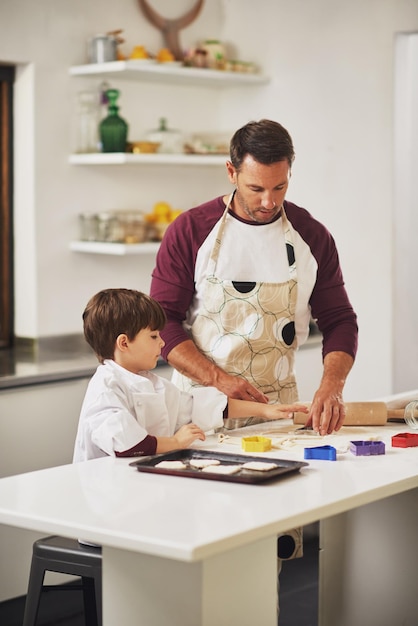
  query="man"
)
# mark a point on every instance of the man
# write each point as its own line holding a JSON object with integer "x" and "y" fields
{"x": 240, "y": 277}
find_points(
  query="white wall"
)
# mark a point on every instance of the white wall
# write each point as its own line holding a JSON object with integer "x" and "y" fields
{"x": 405, "y": 224}
{"x": 331, "y": 64}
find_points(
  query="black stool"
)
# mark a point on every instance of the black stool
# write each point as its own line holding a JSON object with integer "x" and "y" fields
{"x": 67, "y": 556}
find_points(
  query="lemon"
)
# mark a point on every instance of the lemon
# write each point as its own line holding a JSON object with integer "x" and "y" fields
{"x": 139, "y": 52}
{"x": 165, "y": 55}
{"x": 162, "y": 210}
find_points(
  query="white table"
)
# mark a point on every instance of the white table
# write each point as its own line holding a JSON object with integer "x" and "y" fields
{"x": 186, "y": 552}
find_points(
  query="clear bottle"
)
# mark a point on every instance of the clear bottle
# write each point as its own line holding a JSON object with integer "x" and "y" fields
{"x": 113, "y": 129}
{"x": 411, "y": 414}
{"x": 87, "y": 123}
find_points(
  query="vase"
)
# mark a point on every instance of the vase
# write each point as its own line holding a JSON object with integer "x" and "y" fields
{"x": 113, "y": 129}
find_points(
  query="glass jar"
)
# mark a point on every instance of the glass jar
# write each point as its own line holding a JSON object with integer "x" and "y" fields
{"x": 170, "y": 140}
{"x": 113, "y": 129}
{"x": 89, "y": 226}
{"x": 411, "y": 414}
{"x": 110, "y": 228}
{"x": 87, "y": 123}
{"x": 134, "y": 226}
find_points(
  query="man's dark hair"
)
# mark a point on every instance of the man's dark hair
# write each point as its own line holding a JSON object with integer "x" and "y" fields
{"x": 266, "y": 141}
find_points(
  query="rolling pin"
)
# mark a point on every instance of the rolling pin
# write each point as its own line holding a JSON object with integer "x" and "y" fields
{"x": 362, "y": 414}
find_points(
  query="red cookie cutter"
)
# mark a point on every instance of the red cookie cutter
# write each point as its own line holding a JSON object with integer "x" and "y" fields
{"x": 405, "y": 440}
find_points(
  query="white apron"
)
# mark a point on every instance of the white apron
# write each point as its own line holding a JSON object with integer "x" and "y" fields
{"x": 248, "y": 329}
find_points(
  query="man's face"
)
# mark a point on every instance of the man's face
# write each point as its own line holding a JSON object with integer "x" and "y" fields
{"x": 261, "y": 189}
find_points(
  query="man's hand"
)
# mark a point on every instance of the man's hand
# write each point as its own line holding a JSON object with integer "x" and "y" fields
{"x": 327, "y": 410}
{"x": 238, "y": 388}
{"x": 190, "y": 362}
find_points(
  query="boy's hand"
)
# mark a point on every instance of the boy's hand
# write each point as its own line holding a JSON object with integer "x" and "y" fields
{"x": 187, "y": 434}
{"x": 283, "y": 411}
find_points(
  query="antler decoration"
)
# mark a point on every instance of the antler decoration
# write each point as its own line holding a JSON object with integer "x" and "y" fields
{"x": 170, "y": 28}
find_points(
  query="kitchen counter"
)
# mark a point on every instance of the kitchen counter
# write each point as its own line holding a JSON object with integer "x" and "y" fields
{"x": 51, "y": 360}
{"x": 54, "y": 359}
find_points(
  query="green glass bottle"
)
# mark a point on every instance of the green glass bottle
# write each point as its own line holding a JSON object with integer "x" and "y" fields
{"x": 113, "y": 129}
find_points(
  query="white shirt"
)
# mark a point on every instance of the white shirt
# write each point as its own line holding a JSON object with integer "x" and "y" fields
{"x": 121, "y": 408}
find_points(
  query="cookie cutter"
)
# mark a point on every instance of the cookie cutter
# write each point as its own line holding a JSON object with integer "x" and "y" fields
{"x": 405, "y": 440}
{"x": 367, "y": 448}
{"x": 256, "y": 444}
{"x": 321, "y": 453}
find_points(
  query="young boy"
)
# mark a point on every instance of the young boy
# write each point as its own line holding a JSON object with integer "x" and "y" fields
{"x": 130, "y": 411}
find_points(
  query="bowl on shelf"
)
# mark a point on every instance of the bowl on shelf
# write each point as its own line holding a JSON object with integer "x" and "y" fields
{"x": 143, "y": 147}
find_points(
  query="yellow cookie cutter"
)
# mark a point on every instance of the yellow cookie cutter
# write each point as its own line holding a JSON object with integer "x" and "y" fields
{"x": 256, "y": 444}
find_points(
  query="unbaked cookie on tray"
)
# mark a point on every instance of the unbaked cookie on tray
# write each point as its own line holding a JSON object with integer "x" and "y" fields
{"x": 171, "y": 465}
{"x": 222, "y": 469}
{"x": 259, "y": 466}
{"x": 201, "y": 463}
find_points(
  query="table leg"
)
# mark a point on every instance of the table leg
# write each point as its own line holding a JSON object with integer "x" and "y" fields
{"x": 368, "y": 564}
{"x": 237, "y": 586}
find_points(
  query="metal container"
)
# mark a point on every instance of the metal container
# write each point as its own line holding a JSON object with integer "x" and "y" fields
{"x": 102, "y": 49}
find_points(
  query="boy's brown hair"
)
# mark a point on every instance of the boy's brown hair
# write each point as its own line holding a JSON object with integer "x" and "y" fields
{"x": 113, "y": 312}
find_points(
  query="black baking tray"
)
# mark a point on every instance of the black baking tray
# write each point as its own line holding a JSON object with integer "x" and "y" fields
{"x": 252, "y": 477}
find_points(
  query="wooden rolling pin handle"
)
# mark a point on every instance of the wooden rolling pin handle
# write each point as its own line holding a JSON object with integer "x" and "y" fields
{"x": 396, "y": 415}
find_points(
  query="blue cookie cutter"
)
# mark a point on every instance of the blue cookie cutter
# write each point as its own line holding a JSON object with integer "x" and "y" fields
{"x": 367, "y": 448}
{"x": 321, "y": 453}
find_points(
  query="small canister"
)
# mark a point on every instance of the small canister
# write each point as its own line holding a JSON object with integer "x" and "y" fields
{"x": 135, "y": 227}
{"x": 110, "y": 228}
{"x": 89, "y": 226}
{"x": 102, "y": 49}
{"x": 411, "y": 414}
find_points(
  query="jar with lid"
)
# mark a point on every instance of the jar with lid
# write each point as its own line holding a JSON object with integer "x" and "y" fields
{"x": 110, "y": 227}
{"x": 134, "y": 226}
{"x": 171, "y": 141}
{"x": 87, "y": 122}
{"x": 215, "y": 54}
{"x": 411, "y": 414}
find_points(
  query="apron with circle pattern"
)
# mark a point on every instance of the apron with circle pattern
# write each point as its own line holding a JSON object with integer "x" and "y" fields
{"x": 248, "y": 328}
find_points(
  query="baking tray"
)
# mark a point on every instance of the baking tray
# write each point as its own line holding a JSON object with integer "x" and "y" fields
{"x": 284, "y": 467}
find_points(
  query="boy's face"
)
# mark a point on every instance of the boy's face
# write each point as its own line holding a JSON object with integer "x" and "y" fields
{"x": 143, "y": 351}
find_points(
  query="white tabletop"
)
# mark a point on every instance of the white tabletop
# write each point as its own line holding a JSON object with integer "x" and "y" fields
{"x": 108, "y": 502}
